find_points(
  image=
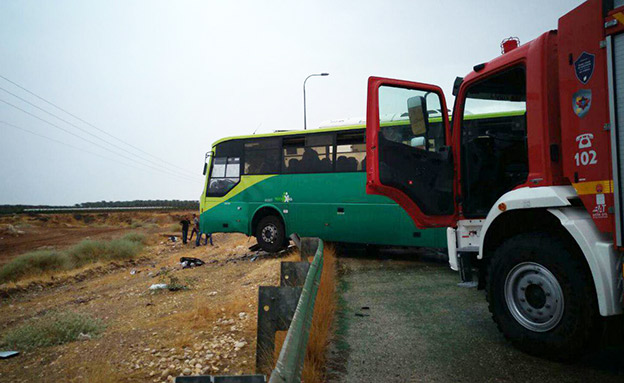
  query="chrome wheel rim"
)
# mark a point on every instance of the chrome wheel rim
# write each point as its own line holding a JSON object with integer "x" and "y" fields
{"x": 269, "y": 233}
{"x": 534, "y": 297}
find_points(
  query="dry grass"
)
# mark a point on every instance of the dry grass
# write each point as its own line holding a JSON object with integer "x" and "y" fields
{"x": 322, "y": 322}
{"x": 85, "y": 252}
{"x": 52, "y": 329}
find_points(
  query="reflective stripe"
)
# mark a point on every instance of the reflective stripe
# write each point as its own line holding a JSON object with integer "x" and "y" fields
{"x": 590, "y": 187}
{"x": 619, "y": 17}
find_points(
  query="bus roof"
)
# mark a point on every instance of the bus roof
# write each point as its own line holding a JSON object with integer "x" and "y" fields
{"x": 292, "y": 132}
{"x": 353, "y": 124}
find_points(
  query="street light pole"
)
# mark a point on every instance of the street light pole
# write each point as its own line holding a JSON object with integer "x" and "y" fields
{"x": 305, "y": 122}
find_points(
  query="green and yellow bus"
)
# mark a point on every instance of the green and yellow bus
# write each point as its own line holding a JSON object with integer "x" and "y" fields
{"x": 307, "y": 182}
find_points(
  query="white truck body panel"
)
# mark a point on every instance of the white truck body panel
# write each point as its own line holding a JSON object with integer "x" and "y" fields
{"x": 602, "y": 258}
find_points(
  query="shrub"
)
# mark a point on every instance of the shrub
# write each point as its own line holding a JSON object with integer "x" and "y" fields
{"x": 174, "y": 283}
{"x": 32, "y": 263}
{"x": 52, "y": 329}
{"x": 135, "y": 237}
{"x": 87, "y": 251}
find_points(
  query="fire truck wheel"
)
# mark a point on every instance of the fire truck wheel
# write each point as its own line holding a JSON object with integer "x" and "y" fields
{"x": 541, "y": 296}
{"x": 270, "y": 234}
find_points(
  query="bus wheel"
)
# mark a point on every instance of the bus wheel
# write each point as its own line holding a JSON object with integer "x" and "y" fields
{"x": 541, "y": 296}
{"x": 270, "y": 234}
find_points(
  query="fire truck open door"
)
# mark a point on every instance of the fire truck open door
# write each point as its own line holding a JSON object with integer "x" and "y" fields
{"x": 408, "y": 149}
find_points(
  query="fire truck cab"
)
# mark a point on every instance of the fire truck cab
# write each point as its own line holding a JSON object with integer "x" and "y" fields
{"x": 526, "y": 176}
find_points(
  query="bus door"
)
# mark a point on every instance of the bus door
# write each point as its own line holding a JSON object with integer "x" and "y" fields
{"x": 408, "y": 154}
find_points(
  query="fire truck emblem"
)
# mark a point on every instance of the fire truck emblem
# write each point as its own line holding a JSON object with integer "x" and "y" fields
{"x": 581, "y": 102}
{"x": 584, "y": 67}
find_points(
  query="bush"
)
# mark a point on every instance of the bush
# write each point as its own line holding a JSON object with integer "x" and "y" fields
{"x": 87, "y": 251}
{"x": 32, "y": 263}
{"x": 52, "y": 329}
{"x": 135, "y": 237}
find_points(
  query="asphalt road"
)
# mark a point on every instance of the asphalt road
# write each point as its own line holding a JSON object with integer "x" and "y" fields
{"x": 405, "y": 320}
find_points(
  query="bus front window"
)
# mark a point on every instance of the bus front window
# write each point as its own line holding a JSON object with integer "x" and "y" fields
{"x": 225, "y": 174}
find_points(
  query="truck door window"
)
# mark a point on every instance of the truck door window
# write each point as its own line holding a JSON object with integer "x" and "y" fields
{"x": 225, "y": 174}
{"x": 494, "y": 156}
{"x": 412, "y": 153}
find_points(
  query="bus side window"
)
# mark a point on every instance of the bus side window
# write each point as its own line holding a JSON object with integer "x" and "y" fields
{"x": 293, "y": 153}
{"x": 262, "y": 156}
{"x": 350, "y": 152}
{"x": 310, "y": 154}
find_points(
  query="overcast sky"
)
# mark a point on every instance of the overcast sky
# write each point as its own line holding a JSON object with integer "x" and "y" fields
{"x": 171, "y": 77}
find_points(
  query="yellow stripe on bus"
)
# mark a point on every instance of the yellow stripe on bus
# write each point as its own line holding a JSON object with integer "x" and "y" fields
{"x": 590, "y": 187}
{"x": 245, "y": 182}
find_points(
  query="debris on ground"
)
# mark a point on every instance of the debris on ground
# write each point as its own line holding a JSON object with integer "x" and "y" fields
{"x": 83, "y": 336}
{"x": 8, "y": 354}
{"x": 255, "y": 247}
{"x": 158, "y": 286}
{"x": 189, "y": 262}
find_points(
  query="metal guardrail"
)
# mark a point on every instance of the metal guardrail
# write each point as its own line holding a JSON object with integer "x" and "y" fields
{"x": 290, "y": 362}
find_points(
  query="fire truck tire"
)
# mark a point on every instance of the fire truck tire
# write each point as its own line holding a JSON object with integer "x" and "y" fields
{"x": 541, "y": 296}
{"x": 270, "y": 234}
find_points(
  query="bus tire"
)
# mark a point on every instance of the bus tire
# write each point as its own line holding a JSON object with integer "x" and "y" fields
{"x": 270, "y": 234}
{"x": 541, "y": 296}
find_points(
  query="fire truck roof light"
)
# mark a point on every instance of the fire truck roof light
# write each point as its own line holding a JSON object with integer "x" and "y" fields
{"x": 509, "y": 44}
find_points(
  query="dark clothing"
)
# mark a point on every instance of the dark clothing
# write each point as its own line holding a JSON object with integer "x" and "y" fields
{"x": 193, "y": 232}
{"x": 185, "y": 226}
{"x": 208, "y": 237}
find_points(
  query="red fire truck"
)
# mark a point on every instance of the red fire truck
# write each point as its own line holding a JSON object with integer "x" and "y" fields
{"x": 526, "y": 176}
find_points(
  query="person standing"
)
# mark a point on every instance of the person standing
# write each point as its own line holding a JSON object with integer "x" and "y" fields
{"x": 208, "y": 237}
{"x": 195, "y": 228}
{"x": 185, "y": 226}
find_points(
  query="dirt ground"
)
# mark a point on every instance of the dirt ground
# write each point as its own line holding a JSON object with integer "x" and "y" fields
{"x": 149, "y": 336}
{"x": 405, "y": 320}
{"x": 43, "y": 238}
{"x": 21, "y": 233}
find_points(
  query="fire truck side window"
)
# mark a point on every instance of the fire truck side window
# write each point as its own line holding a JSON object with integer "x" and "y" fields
{"x": 494, "y": 157}
{"x": 413, "y": 157}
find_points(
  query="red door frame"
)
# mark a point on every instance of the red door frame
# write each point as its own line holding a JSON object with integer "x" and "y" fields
{"x": 373, "y": 183}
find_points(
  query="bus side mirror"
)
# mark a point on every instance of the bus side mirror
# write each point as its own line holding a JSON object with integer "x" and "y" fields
{"x": 417, "y": 111}
{"x": 205, "y": 168}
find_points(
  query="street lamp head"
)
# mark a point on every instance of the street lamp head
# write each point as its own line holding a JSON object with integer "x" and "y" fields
{"x": 304, "y": 97}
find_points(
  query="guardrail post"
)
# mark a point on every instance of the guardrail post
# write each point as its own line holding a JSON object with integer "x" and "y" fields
{"x": 308, "y": 247}
{"x": 276, "y": 308}
{"x": 293, "y": 273}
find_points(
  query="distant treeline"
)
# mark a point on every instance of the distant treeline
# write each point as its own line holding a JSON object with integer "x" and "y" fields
{"x": 174, "y": 204}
